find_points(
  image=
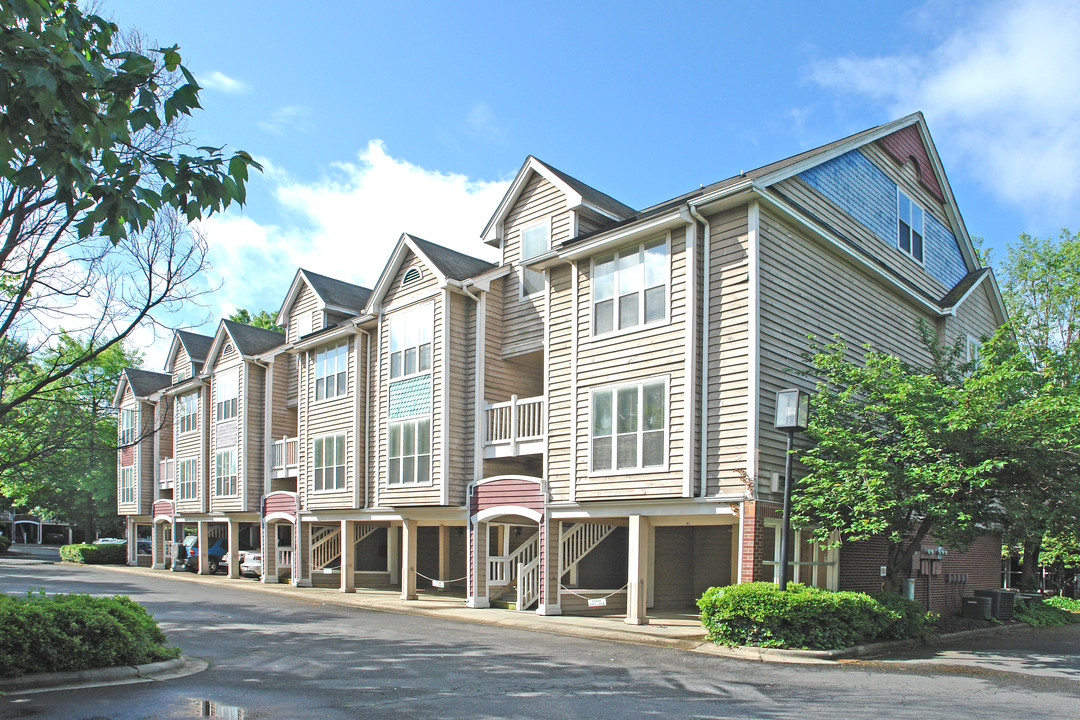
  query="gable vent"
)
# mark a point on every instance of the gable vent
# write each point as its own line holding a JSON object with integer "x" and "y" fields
{"x": 411, "y": 276}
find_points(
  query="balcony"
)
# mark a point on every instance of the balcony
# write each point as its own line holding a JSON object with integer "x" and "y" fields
{"x": 514, "y": 428}
{"x": 167, "y": 474}
{"x": 286, "y": 462}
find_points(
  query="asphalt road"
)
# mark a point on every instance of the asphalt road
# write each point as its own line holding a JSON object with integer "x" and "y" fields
{"x": 276, "y": 657}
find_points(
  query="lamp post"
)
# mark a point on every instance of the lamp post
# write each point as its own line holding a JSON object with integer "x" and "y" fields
{"x": 792, "y": 413}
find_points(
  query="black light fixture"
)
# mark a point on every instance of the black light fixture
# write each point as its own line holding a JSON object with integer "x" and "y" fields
{"x": 792, "y": 413}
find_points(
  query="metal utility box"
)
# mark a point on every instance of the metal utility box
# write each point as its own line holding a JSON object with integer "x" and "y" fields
{"x": 977, "y": 608}
{"x": 1002, "y": 602}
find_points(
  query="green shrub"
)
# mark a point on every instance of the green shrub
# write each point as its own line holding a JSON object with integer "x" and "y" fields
{"x": 4, "y": 543}
{"x": 803, "y": 617}
{"x": 1063, "y": 603}
{"x": 94, "y": 554}
{"x": 1040, "y": 614}
{"x": 77, "y": 632}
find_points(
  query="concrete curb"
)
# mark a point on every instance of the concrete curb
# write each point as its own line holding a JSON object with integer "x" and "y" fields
{"x": 121, "y": 675}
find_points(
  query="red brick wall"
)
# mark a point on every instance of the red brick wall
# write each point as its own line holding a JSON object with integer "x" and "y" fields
{"x": 754, "y": 515}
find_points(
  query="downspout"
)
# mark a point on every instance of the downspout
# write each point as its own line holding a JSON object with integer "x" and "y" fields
{"x": 706, "y": 286}
{"x": 367, "y": 411}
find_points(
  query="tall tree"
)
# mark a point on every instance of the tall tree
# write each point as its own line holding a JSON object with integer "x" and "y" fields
{"x": 97, "y": 188}
{"x": 263, "y": 319}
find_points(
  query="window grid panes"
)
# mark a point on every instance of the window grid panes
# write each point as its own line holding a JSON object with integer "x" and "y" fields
{"x": 630, "y": 287}
{"x": 808, "y": 562}
{"x": 410, "y": 452}
{"x": 628, "y": 427}
{"x": 127, "y": 426}
{"x": 225, "y": 472}
{"x": 187, "y": 412}
{"x": 227, "y": 389}
{"x": 410, "y": 341}
{"x": 187, "y": 480}
{"x": 331, "y": 371}
{"x": 329, "y": 462}
{"x": 127, "y": 484}
{"x": 910, "y": 228}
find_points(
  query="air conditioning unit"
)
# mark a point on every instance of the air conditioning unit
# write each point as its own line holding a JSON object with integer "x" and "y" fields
{"x": 1002, "y": 602}
{"x": 975, "y": 607}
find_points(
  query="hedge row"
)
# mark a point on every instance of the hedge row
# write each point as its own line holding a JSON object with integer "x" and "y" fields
{"x": 808, "y": 618}
{"x": 4, "y": 543}
{"x": 94, "y": 554}
{"x": 1044, "y": 614}
{"x": 76, "y": 632}
{"x": 1063, "y": 603}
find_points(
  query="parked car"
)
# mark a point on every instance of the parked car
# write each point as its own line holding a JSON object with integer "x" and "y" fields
{"x": 191, "y": 553}
{"x": 251, "y": 564}
{"x": 110, "y": 541}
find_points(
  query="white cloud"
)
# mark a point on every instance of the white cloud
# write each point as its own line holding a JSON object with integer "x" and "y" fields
{"x": 291, "y": 118}
{"x": 221, "y": 82}
{"x": 346, "y": 226}
{"x": 1002, "y": 93}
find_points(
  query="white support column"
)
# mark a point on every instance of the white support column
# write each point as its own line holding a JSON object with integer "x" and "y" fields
{"x": 155, "y": 546}
{"x": 233, "y": 571}
{"x": 204, "y": 547}
{"x": 132, "y": 542}
{"x": 444, "y": 552}
{"x": 348, "y": 556}
{"x": 177, "y": 543}
{"x": 637, "y": 571}
{"x": 393, "y": 554}
{"x": 408, "y": 559}
{"x": 478, "y": 549}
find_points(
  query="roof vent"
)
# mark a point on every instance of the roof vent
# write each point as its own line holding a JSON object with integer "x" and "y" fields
{"x": 411, "y": 276}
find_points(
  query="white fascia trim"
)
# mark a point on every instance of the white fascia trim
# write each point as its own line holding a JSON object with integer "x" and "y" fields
{"x": 999, "y": 303}
{"x": 956, "y": 221}
{"x": 118, "y": 396}
{"x": 211, "y": 354}
{"x": 596, "y": 209}
{"x": 170, "y": 359}
{"x": 404, "y": 243}
{"x": 714, "y": 506}
{"x": 294, "y": 291}
{"x": 678, "y": 216}
{"x": 337, "y": 334}
{"x": 498, "y": 510}
{"x": 848, "y": 253}
{"x": 573, "y": 198}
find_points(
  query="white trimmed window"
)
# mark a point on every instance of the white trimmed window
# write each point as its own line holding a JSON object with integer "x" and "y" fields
{"x": 410, "y": 452}
{"x": 329, "y": 463}
{"x": 973, "y": 346}
{"x": 331, "y": 371}
{"x": 628, "y": 428}
{"x": 127, "y": 426}
{"x": 910, "y": 228}
{"x": 127, "y": 484}
{"x": 226, "y": 389}
{"x": 410, "y": 340}
{"x": 808, "y": 562}
{"x": 535, "y": 240}
{"x": 630, "y": 287}
{"x": 187, "y": 412}
{"x": 225, "y": 472}
{"x": 187, "y": 480}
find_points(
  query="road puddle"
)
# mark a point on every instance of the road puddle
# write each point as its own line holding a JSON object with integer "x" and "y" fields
{"x": 210, "y": 709}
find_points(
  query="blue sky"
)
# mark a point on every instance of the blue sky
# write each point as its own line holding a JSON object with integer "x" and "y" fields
{"x": 380, "y": 118}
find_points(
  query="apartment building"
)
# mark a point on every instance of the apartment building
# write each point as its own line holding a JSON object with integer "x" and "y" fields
{"x": 585, "y": 425}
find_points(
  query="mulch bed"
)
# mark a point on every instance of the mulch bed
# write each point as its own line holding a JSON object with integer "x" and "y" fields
{"x": 955, "y": 623}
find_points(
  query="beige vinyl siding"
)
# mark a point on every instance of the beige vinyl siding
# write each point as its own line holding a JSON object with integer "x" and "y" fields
{"x": 326, "y": 417}
{"x": 560, "y": 374}
{"x": 974, "y": 317}
{"x": 523, "y": 318}
{"x": 283, "y": 422}
{"x": 181, "y": 365}
{"x": 729, "y": 353}
{"x": 502, "y": 377}
{"x": 650, "y": 353}
{"x": 398, "y": 293}
{"x": 253, "y": 398}
{"x": 227, "y": 361}
{"x": 459, "y": 430}
{"x": 128, "y": 402}
{"x": 805, "y": 289}
{"x": 145, "y": 459}
{"x": 306, "y": 304}
{"x": 587, "y": 225}
{"x": 188, "y": 446}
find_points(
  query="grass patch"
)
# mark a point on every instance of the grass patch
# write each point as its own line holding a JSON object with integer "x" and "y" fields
{"x": 808, "y": 618}
{"x": 57, "y": 633}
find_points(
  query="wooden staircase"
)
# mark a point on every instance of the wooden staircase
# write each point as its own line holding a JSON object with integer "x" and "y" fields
{"x": 578, "y": 541}
{"x": 326, "y": 543}
{"x": 518, "y": 572}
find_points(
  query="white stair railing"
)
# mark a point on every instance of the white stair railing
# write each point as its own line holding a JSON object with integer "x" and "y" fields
{"x": 579, "y": 541}
{"x": 284, "y": 558}
{"x": 528, "y": 583}
{"x": 502, "y": 569}
{"x": 325, "y": 546}
{"x": 362, "y": 531}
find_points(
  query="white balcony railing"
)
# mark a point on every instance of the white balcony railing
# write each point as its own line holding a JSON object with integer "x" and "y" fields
{"x": 286, "y": 456}
{"x": 167, "y": 474}
{"x": 514, "y": 428}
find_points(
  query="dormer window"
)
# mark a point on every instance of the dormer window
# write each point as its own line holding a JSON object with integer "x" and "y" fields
{"x": 910, "y": 226}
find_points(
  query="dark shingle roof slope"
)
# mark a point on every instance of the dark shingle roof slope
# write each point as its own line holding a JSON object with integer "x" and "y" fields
{"x": 196, "y": 345}
{"x": 146, "y": 382}
{"x": 451, "y": 263}
{"x": 251, "y": 340}
{"x": 966, "y": 283}
{"x": 338, "y": 292}
{"x": 591, "y": 195}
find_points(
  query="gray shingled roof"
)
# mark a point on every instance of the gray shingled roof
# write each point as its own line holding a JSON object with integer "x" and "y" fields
{"x": 197, "y": 346}
{"x": 590, "y": 194}
{"x": 966, "y": 283}
{"x": 251, "y": 340}
{"x": 338, "y": 292}
{"x": 146, "y": 382}
{"x": 451, "y": 263}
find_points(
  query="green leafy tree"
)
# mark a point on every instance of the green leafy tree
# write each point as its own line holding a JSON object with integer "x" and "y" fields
{"x": 263, "y": 319}
{"x": 892, "y": 455}
{"x": 98, "y": 186}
